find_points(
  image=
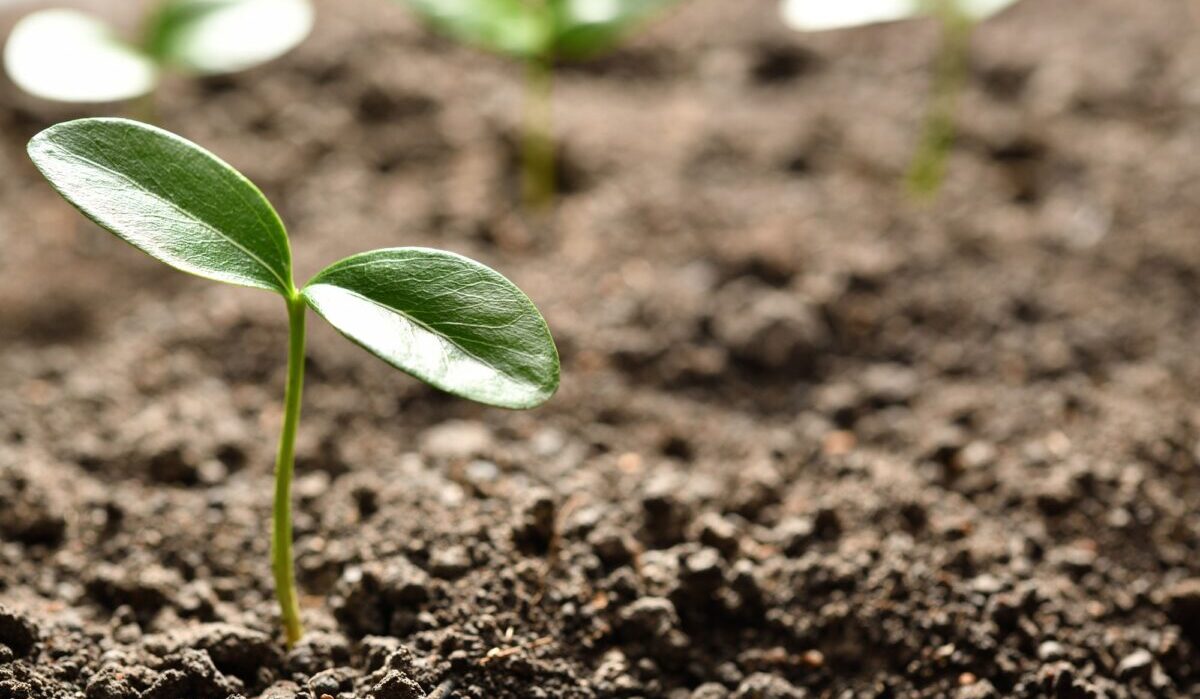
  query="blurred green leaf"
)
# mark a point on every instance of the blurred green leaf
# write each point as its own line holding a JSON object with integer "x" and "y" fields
{"x": 226, "y": 36}
{"x": 546, "y": 29}
{"x": 979, "y": 10}
{"x": 518, "y": 27}
{"x": 447, "y": 320}
{"x": 821, "y": 15}
{"x": 169, "y": 198}
{"x": 69, "y": 56}
{"x": 589, "y": 27}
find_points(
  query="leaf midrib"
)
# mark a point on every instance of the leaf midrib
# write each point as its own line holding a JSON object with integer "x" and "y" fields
{"x": 428, "y": 328}
{"x": 283, "y": 285}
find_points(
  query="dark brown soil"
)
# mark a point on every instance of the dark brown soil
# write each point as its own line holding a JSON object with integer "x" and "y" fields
{"x": 814, "y": 439}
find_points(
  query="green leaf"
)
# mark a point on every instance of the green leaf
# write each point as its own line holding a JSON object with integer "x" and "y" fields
{"x": 588, "y": 27}
{"x": 226, "y": 36}
{"x": 538, "y": 28}
{"x": 169, "y": 198}
{"x": 979, "y": 10}
{"x": 821, "y": 15}
{"x": 445, "y": 319}
{"x": 69, "y": 56}
{"x": 517, "y": 27}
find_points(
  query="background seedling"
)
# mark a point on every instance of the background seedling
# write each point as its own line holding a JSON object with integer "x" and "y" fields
{"x": 70, "y": 56}
{"x": 438, "y": 316}
{"x": 958, "y": 18}
{"x": 541, "y": 33}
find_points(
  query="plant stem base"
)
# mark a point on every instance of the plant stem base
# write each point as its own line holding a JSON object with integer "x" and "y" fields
{"x": 281, "y": 536}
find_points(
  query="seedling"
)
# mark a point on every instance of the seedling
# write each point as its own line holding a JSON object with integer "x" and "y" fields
{"x": 541, "y": 33}
{"x": 958, "y": 19}
{"x": 443, "y": 318}
{"x": 70, "y": 56}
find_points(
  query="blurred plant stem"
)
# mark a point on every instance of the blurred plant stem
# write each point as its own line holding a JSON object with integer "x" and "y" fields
{"x": 145, "y": 108}
{"x": 928, "y": 168}
{"x": 538, "y": 181}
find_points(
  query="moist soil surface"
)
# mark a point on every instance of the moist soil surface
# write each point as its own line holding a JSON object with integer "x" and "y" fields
{"x": 814, "y": 438}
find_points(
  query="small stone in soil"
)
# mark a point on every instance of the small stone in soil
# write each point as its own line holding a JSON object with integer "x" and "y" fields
{"x": 172, "y": 463}
{"x": 794, "y": 535}
{"x": 146, "y": 591}
{"x": 1051, "y": 650}
{"x": 1136, "y": 664}
{"x": 317, "y": 651}
{"x": 326, "y": 682}
{"x": 982, "y": 689}
{"x": 665, "y": 516}
{"x": 828, "y": 524}
{"x": 235, "y": 650}
{"x": 191, "y": 673}
{"x": 613, "y": 546}
{"x": 17, "y": 632}
{"x": 768, "y": 329}
{"x": 284, "y": 690}
{"x": 114, "y": 682}
{"x": 365, "y": 593}
{"x": 534, "y": 528}
{"x": 30, "y": 518}
{"x": 652, "y": 616}
{"x": 450, "y": 562}
{"x": 702, "y": 572}
{"x": 761, "y": 685}
{"x": 889, "y": 384}
{"x": 987, "y": 584}
{"x": 377, "y": 649}
{"x": 457, "y": 439}
{"x": 718, "y": 532}
{"x": 397, "y": 685}
{"x": 1183, "y": 605}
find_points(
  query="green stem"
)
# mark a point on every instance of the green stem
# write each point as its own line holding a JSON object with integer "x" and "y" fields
{"x": 145, "y": 108}
{"x": 281, "y": 540}
{"x": 928, "y": 168}
{"x": 538, "y": 177}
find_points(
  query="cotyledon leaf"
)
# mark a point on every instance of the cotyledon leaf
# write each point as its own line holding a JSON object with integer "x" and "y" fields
{"x": 820, "y": 15}
{"x": 567, "y": 29}
{"x": 69, "y": 56}
{"x": 517, "y": 27}
{"x": 225, "y": 36}
{"x": 168, "y": 197}
{"x": 587, "y": 27}
{"x": 446, "y": 319}
{"x": 982, "y": 9}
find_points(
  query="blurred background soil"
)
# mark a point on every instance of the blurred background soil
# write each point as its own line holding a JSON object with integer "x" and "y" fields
{"x": 814, "y": 439}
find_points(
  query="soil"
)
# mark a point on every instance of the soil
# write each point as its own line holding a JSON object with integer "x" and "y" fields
{"x": 814, "y": 438}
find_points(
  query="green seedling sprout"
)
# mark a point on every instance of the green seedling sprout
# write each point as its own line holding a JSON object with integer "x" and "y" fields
{"x": 69, "y": 56}
{"x": 443, "y": 318}
{"x": 958, "y": 19}
{"x": 541, "y": 33}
